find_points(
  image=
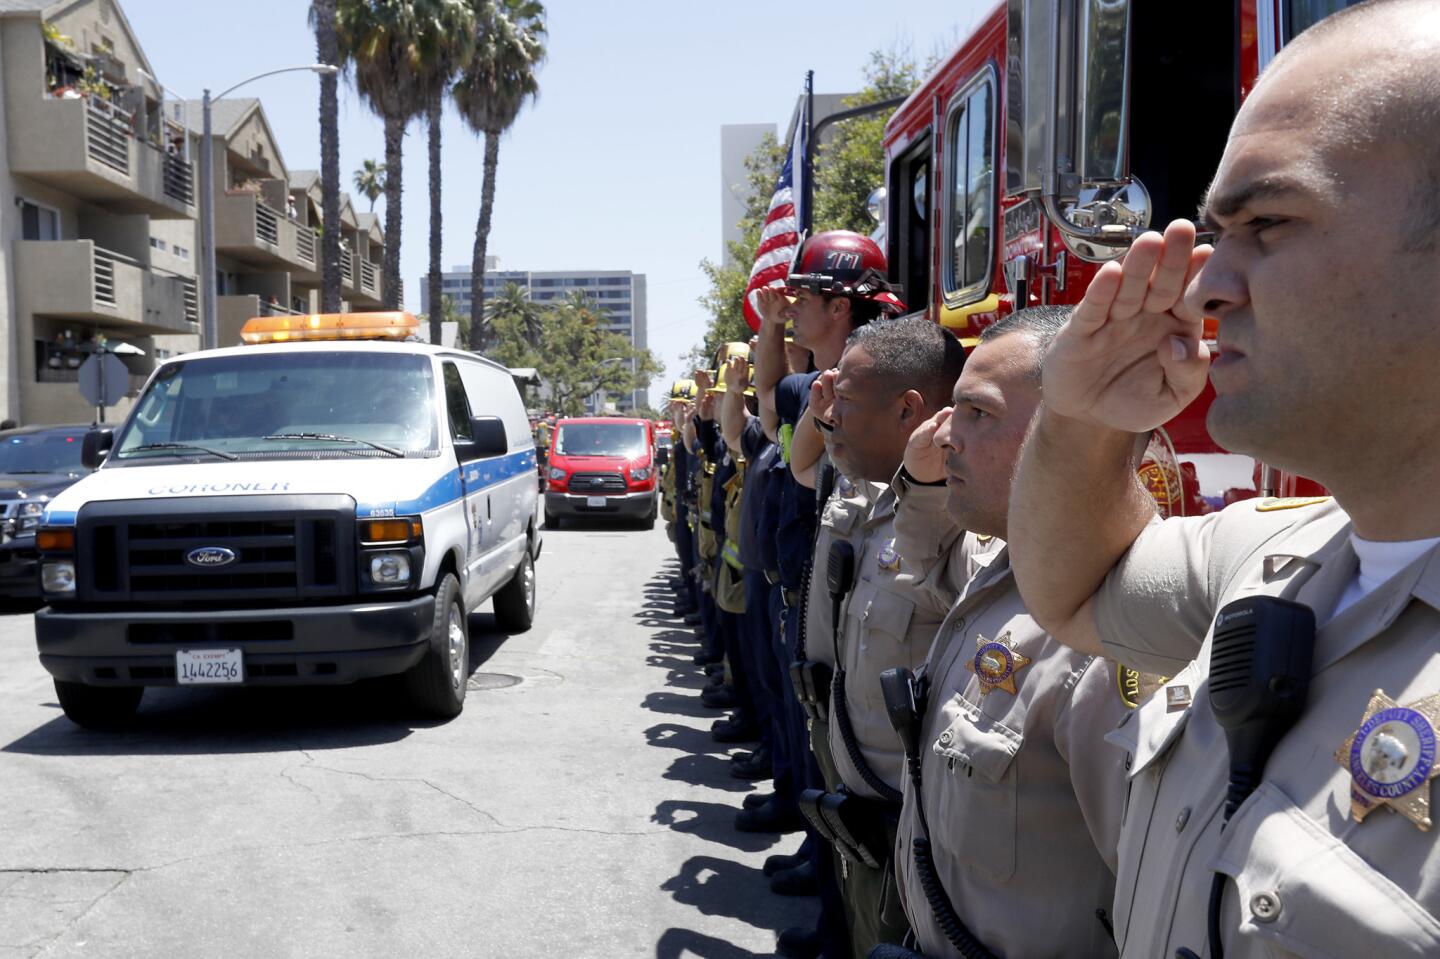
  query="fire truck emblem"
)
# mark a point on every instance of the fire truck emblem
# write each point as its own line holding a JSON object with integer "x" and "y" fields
{"x": 1392, "y": 758}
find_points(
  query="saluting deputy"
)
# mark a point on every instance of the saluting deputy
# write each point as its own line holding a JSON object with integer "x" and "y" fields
{"x": 1018, "y": 804}
{"x": 893, "y": 375}
{"x": 1325, "y": 280}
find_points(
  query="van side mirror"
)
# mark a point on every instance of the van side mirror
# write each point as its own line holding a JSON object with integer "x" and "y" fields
{"x": 95, "y": 446}
{"x": 487, "y": 439}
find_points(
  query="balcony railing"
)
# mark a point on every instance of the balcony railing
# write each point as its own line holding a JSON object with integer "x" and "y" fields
{"x": 305, "y": 243}
{"x": 267, "y": 224}
{"x": 367, "y": 276}
{"x": 108, "y": 132}
{"x": 104, "y": 278}
{"x": 347, "y": 266}
{"x": 191, "y": 296}
{"x": 179, "y": 181}
{"x": 275, "y": 309}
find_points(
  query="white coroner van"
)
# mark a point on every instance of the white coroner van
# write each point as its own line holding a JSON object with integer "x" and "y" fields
{"x": 325, "y": 506}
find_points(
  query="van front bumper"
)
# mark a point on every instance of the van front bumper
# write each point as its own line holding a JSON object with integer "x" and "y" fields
{"x": 303, "y": 645}
{"x": 637, "y": 505}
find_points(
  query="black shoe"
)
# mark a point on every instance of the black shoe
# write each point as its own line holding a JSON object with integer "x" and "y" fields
{"x": 692, "y": 619}
{"x": 782, "y": 861}
{"x": 769, "y": 818}
{"x": 734, "y": 731}
{"x": 717, "y": 678}
{"x": 798, "y": 942}
{"x": 714, "y": 669}
{"x": 755, "y": 766}
{"x": 758, "y": 799}
{"x": 797, "y": 881}
{"x": 707, "y": 659}
{"x": 720, "y": 697}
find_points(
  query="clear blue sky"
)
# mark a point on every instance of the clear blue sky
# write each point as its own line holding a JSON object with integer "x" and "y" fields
{"x": 617, "y": 166}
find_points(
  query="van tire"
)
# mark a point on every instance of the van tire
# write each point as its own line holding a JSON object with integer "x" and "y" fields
{"x": 435, "y": 686}
{"x": 98, "y": 707}
{"x": 515, "y": 603}
{"x": 551, "y": 520}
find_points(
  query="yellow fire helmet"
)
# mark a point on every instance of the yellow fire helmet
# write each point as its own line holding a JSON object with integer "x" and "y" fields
{"x": 722, "y": 356}
{"x": 682, "y": 390}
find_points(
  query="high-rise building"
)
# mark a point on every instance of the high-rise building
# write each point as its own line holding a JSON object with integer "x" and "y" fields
{"x": 619, "y": 293}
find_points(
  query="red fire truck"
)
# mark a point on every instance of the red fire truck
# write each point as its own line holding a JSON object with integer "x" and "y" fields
{"x": 1056, "y": 133}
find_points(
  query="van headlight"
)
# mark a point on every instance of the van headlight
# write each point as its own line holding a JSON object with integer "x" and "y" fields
{"x": 390, "y": 569}
{"x": 641, "y": 474}
{"x": 58, "y": 579}
{"x": 28, "y": 517}
{"x": 556, "y": 473}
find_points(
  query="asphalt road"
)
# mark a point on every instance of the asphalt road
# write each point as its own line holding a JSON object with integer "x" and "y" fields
{"x": 584, "y": 811}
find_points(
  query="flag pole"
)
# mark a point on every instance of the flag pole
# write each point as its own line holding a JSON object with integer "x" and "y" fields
{"x": 807, "y": 129}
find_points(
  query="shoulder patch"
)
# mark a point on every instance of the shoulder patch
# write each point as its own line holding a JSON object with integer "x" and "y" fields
{"x": 1135, "y": 687}
{"x": 1273, "y": 503}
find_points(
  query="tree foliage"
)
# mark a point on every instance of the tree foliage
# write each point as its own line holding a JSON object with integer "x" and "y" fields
{"x": 852, "y": 163}
{"x": 569, "y": 345}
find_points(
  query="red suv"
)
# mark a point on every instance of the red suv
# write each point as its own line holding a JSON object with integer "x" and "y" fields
{"x": 602, "y": 466}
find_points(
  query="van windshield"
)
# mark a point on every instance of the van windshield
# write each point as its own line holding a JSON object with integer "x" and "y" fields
{"x": 600, "y": 439}
{"x": 322, "y": 404}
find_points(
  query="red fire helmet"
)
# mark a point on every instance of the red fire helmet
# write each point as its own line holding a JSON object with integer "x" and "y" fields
{"x": 844, "y": 263}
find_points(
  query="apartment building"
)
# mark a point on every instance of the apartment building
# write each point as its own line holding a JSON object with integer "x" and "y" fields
{"x": 90, "y": 169}
{"x": 619, "y": 293}
{"x": 268, "y": 225}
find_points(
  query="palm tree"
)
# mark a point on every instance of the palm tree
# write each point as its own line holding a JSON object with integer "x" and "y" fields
{"x": 448, "y": 58}
{"x": 514, "y": 302}
{"x": 370, "y": 181}
{"x": 327, "y": 50}
{"x": 496, "y": 84}
{"x": 391, "y": 45}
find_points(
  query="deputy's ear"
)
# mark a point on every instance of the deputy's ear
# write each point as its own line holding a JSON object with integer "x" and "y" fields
{"x": 914, "y": 409}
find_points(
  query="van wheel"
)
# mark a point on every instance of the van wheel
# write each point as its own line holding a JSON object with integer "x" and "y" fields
{"x": 98, "y": 707}
{"x": 551, "y": 520}
{"x": 435, "y": 686}
{"x": 515, "y": 603}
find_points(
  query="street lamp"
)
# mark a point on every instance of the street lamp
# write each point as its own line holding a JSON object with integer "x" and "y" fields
{"x": 211, "y": 330}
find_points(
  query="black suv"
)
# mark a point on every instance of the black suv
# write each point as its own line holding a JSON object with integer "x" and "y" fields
{"x": 36, "y": 463}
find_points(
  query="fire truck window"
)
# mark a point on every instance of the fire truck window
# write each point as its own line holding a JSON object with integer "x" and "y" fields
{"x": 1300, "y": 15}
{"x": 907, "y": 227}
{"x": 971, "y": 192}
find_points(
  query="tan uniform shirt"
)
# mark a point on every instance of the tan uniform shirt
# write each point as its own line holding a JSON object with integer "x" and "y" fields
{"x": 1020, "y": 791}
{"x": 841, "y": 519}
{"x": 888, "y": 620}
{"x": 1308, "y": 880}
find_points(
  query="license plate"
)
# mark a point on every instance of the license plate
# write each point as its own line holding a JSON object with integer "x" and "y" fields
{"x": 595, "y": 502}
{"x": 204, "y": 666}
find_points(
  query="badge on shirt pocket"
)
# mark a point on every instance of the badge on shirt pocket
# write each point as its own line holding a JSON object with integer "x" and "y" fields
{"x": 1392, "y": 758}
{"x": 888, "y": 558}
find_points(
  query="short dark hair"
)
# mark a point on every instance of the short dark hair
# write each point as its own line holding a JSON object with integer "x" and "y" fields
{"x": 912, "y": 353}
{"x": 1039, "y": 323}
{"x": 861, "y": 311}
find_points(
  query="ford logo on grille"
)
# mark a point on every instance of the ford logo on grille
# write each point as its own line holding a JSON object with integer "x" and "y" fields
{"x": 210, "y": 557}
{"x": 597, "y": 481}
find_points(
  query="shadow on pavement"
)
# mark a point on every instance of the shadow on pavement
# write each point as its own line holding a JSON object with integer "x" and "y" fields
{"x": 677, "y": 943}
{"x": 679, "y": 704}
{"x": 721, "y": 887}
{"x": 706, "y": 770}
{"x": 711, "y": 821}
{"x": 687, "y": 739}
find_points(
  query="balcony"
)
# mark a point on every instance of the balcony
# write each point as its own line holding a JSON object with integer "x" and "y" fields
{"x": 253, "y": 232}
{"x": 78, "y": 280}
{"x": 87, "y": 147}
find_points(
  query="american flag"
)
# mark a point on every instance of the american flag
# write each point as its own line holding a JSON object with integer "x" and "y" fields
{"x": 780, "y": 236}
